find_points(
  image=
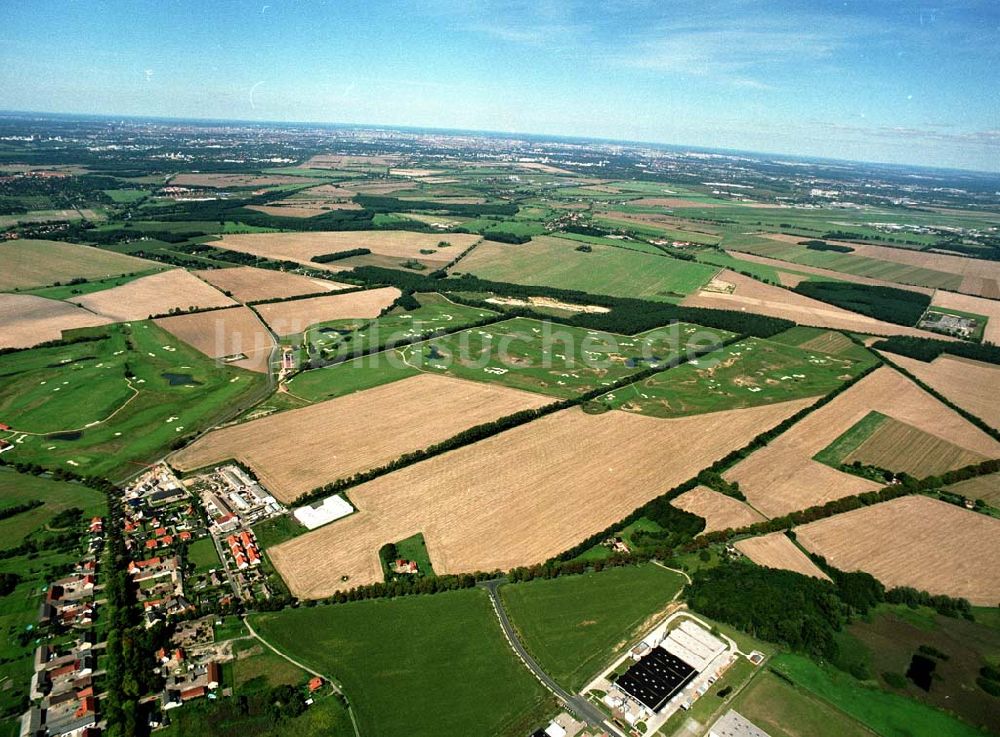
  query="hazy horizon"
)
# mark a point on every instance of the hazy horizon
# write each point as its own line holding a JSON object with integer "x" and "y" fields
{"x": 881, "y": 82}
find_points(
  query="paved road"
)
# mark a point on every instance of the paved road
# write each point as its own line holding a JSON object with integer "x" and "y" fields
{"x": 578, "y": 705}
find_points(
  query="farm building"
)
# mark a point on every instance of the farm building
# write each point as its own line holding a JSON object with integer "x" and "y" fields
{"x": 734, "y": 724}
{"x": 330, "y": 509}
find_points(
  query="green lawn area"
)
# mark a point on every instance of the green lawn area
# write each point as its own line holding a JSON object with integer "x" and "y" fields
{"x": 573, "y": 625}
{"x": 418, "y": 665}
{"x": 16, "y": 488}
{"x": 203, "y": 554}
{"x": 749, "y": 373}
{"x": 84, "y": 414}
{"x": 277, "y": 530}
{"x": 835, "y": 453}
{"x": 351, "y": 376}
{"x": 783, "y": 710}
{"x": 555, "y": 262}
{"x": 256, "y": 667}
{"x": 888, "y": 714}
{"x": 414, "y": 548}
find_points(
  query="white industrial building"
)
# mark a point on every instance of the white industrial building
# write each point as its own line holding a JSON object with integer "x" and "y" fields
{"x": 330, "y": 509}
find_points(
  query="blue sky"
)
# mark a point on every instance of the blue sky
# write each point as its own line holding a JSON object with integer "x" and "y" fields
{"x": 875, "y": 80}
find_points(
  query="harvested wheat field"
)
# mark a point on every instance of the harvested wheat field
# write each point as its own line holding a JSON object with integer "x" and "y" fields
{"x": 980, "y": 277}
{"x": 30, "y": 263}
{"x": 250, "y": 284}
{"x": 294, "y": 316}
{"x": 301, "y": 247}
{"x": 988, "y": 308}
{"x": 783, "y": 477}
{"x": 27, "y": 320}
{"x": 720, "y": 512}
{"x": 986, "y": 488}
{"x": 777, "y": 551}
{"x": 751, "y": 295}
{"x": 914, "y": 541}
{"x": 818, "y": 271}
{"x": 972, "y": 385}
{"x": 901, "y": 447}
{"x": 154, "y": 295}
{"x": 519, "y": 497}
{"x": 228, "y": 333}
{"x": 293, "y": 452}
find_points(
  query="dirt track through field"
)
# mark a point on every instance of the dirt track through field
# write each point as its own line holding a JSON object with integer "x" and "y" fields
{"x": 915, "y": 541}
{"x": 27, "y": 320}
{"x": 154, "y": 295}
{"x": 519, "y": 497}
{"x": 719, "y": 511}
{"x": 777, "y": 551}
{"x": 296, "y": 451}
{"x": 782, "y": 477}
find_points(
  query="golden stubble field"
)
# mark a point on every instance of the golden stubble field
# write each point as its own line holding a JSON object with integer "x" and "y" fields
{"x": 301, "y": 247}
{"x": 765, "y": 299}
{"x": 519, "y": 497}
{"x": 224, "y": 333}
{"x": 154, "y": 295}
{"x": 914, "y": 541}
{"x": 972, "y": 385}
{"x": 777, "y": 551}
{"x": 782, "y": 477}
{"x": 250, "y": 284}
{"x": 296, "y": 451}
{"x": 294, "y": 316}
{"x": 720, "y": 511}
{"x": 27, "y": 320}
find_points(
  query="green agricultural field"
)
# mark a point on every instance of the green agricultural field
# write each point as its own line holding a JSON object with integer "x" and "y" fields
{"x": 555, "y": 262}
{"x": 554, "y": 359}
{"x": 417, "y": 665}
{"x": 825, "y": 341}
{"x": 339, "y": 337}
{"x": 783, "y": 710}
{"x": 203, "y": 555}
{"x": 850, "y": 263}
{"x": 749, "y": 373}
{"x": 887, "y": 714}
{"x": 67, "y": 291}
{"x": 126, "y": 196}
{"x": 574, "y": 625}
{"x": 348, "y": 377}
{"x": 257, "y": 667}
{"x": 888, "y": 639}
{"x": 28, "y": 264}
{"x": 835, "y": 453}
{"x": 106, "y": 406}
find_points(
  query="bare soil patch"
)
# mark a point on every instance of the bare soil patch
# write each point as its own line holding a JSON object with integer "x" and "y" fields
{"x": 225, "y": 334}
{"x": 293, "y": 452}
{"x": 294, "y": 316}
{"x": 27, "y": 320}
{"x": 249, "y": 284}
{"x": 915, "y": 541}
{"x": 154, "y": 295}
{"x": 720, "y": 512}
{"x": 519, "y": 497}
{"x": 782, "y": 477}
{"x": 777, "y": 551}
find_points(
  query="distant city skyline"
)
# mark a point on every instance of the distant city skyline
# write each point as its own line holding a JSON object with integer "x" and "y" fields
{"x": 883, "y": 81}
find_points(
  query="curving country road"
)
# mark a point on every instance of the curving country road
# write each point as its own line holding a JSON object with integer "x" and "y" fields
{"x": 578, "y": 705}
